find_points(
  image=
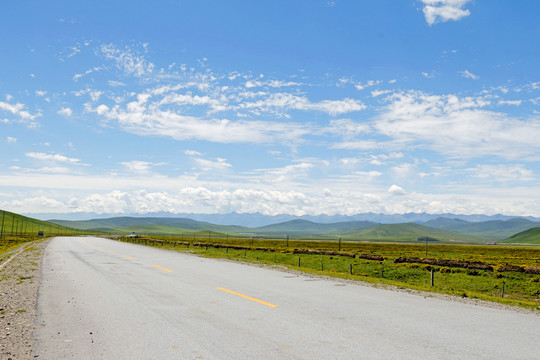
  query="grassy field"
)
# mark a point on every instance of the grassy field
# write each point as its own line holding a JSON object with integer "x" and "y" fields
{"x": 508, "y": 287}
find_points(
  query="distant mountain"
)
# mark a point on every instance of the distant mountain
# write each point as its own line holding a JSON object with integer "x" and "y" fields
{"x": 497, "y": 229}
{"x": 153, "y": 225}
{"x": 408, "y": 232}
{"x": 300, "y": 226}
{"x": 531, "y": 236}
{"x": 258, "y": 219}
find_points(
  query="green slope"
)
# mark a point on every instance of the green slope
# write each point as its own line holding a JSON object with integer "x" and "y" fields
{"x": 531, "y": 236}
{"x": 12, "y": 224}
{"x": 305, "y": 227}
{"x": 149, "y": 225}
{"x": 409, "y": 232}
{"x": 496, "y": 230}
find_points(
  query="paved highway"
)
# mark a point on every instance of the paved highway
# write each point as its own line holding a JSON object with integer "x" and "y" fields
{"x": 101, "y": 299}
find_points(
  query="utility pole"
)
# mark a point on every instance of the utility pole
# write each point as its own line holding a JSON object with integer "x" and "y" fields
{"x": 2, "y": 231}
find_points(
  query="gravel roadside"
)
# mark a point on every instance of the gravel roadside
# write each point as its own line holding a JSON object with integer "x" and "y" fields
{"x": 19, "y": 283}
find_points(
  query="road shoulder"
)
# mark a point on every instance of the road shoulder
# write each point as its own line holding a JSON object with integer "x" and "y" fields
{"x": 19, "y": 283}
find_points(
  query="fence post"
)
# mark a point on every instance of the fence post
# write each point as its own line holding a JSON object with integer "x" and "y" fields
{"x": 502, "y": 292}
{"x": 322, "y": 264}
{"x": 299, "y": 261}
{"x": 431, "y": 276}
{"x": 339, "y": 247}
{"x": 350, "y": 269}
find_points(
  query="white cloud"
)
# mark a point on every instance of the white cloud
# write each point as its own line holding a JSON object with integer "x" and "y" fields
{"x": 510, "y": 102}
{"x": 114, "y": 83}
{"x": 369, "y": 83}
{"x": 211, "y": 165}
{"x": 347, "y": 128}
{"x": 293, "y": 102}
{"x": 65, "y": 112}
{"x": 146, "y": 119}
{"x": 52, "y": 157}
{"x": 192, "y": 153}
{"x": 396, "y": 190}
{"x": 137, "y": 166}
{"x": 41, "y": 93}
{"x": 376, "y": 93}
{"x": 444, "y": 10}
{"x": 468, "y": 75}
{"x": 457, "y": 127}
{"x": 127, "y": 61}
{"x": 11, "y": 140}
{"x": 369, "y": 174}
{"x": 20, "y": 111}
{"x": 286, "y": 173}
{"x": 503, "y": 173}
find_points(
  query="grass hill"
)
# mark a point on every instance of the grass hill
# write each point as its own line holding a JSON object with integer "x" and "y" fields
{"x": 443, "y": 229}
{"x": 149, "y": 225}
{"x": 409, "y": 232}
{"x": 12, "y": 224}
{"x": 531, "y": 236}
{"x": 495, "y": 229}
{"x": 305, "y": 227}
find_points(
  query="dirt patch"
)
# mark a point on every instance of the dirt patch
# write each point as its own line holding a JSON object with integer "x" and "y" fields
{"x": 19, "y": 282}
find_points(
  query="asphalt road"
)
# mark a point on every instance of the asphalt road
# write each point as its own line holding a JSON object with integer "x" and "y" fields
{"x": 101, "y": 299}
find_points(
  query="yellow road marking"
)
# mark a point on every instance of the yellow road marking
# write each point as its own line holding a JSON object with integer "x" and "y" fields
{"x": 101, "y": 247}
{"x": 129, "y": 257}
{"x": 110, "y": 251}
{"x": 247, "y": 297}
{"x": 162, "y": 268}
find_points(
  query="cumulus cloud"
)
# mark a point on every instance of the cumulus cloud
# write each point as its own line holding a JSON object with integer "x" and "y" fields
{"x": 65, "y": 112}
{"x": 444, "y": 10}
{"x": 396, "y": 190}
{"x": 19, "y": 110}
{"x": 11, "y": 140}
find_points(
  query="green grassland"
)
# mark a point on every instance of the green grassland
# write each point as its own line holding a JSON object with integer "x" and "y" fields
{"x": 520, "y": 288}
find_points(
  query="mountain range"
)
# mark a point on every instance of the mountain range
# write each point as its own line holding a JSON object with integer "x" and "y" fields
{"x": 258, "y": 219}
{"x": 440, "y": 228}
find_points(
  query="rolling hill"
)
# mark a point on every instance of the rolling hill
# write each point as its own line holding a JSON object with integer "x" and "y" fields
{"x": 149, "y": 225}
{"x": 531, "y": 236}
{"x": 305, "y": 227}
{"x": 409, "y": 232}
{"x": 495, "y": 229}
{"x": 352, "y": 230}
{"x": 12, "y": 224}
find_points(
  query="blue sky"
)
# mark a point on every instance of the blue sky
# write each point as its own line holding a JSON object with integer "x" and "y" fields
{"x": 298, "y": 107}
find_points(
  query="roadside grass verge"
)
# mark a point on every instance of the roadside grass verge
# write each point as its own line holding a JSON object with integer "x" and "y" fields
{"x": 505, "y": 287}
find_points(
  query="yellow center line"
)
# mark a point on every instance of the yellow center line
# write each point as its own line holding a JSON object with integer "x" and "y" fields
{"x": 248, "y": 297}
{"x": 110, "y": 251}
{"x": 101, "y": 247}
{"x": 129, "y": 257}
{"x": 162, "y": 268}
